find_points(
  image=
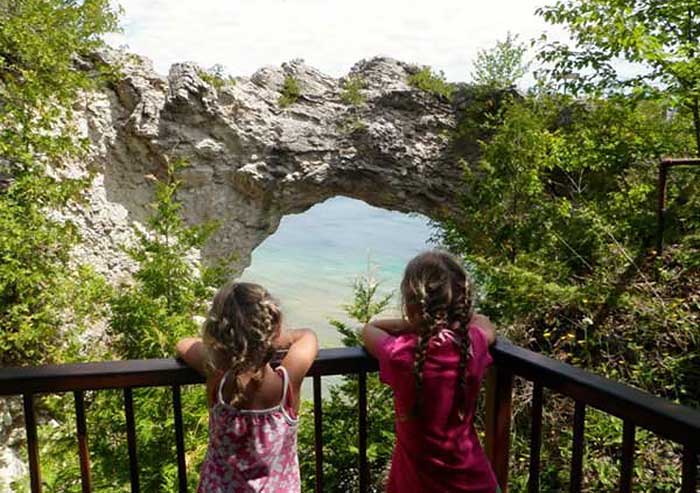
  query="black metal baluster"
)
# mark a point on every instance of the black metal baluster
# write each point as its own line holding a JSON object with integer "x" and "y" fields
{"x": 83, "y": 450}
{"x": 179, "y": 440}
{"x": 318, "y": 433}
{"x": 32, "y": 443}
{"x": 577, "y": 450}
{"x": 690, "y": 470}
{"x": 533, "y": 482}
{"x": 627, "y": 468}
{"x": 131, "y": 440}
{"x": 362, "y": 424}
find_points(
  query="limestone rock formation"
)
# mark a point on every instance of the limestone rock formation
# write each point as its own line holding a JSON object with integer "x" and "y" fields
{"x": 252, "y": 161}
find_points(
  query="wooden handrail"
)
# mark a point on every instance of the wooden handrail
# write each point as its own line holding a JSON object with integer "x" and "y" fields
{"x": 677, "y": 423}
{"x": 150, "y": 373}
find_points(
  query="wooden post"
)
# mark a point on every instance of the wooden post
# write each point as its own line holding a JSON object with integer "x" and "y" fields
{"x": 499, "y": 394}
{"x": 664, "y": 166}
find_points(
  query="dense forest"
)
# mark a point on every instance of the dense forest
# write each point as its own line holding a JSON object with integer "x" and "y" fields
{"x": 557, "y": 224}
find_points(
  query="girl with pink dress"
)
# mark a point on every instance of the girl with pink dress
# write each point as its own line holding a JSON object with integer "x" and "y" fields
{"x": 252, "y": 407}
{"x": 434, "y": 360}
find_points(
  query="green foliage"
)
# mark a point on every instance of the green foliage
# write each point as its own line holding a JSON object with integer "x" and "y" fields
{"x": 501, "y": 66}
{"x": 44, "y": 302}
{"x": 340, "y": 432}
{"x": 558, "y": 222}
{"x": 559, "y": 177}
{"x": 434, "y": 83}
{"x": 352, "y": 123}
{"x": 290, "y": 92}
{"x": 217, "y": 77}
{"x": 148, "y": 317}
{"x": 659, "y": 39}
{"x": 168, "y": 289}
{"x": 352, "y": 91}
{"x": 39, "y": 42}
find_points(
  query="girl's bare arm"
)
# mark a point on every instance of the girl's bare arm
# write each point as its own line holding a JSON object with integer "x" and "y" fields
{"x": 191, "y": 351}
{"x": 303, "y": 348}
{"x": 373, "y": 337}
{"x": 393, "y": 325}
{"x": 375, "y": 332}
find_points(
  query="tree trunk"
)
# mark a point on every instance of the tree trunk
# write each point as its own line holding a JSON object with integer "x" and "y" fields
{"x": 696, "y": 123}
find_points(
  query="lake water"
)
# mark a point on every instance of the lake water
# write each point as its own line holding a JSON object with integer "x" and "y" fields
{"x": 312, "y": 260}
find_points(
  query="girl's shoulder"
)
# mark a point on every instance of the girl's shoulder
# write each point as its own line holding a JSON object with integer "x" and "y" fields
{"x": 401, "y": 348}
{"x": 480, "y": 354}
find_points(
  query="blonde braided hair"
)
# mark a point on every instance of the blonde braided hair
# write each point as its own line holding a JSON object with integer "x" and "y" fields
{"x": 436, "y": 292}
{"x": 240, "y": 331}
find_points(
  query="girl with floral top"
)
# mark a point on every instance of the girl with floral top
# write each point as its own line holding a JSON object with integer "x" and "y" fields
{"x": 252, "y": 406}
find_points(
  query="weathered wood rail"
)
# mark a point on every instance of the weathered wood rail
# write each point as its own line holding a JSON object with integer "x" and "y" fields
{"x": 636, "y": 408}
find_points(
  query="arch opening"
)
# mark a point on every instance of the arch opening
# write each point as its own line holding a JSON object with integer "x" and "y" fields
{"x": 312, "y": 260}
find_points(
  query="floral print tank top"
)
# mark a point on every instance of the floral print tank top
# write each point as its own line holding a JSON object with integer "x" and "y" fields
{"x": 251, "y": 451}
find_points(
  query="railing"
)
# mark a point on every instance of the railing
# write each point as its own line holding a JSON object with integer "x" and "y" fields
{"x": 637, "y": 409}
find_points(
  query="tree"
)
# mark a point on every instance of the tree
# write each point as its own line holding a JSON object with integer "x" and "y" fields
{"x": 659, "y": 38}
{"x": 501, "y": 66}
{"x": 42, "y": 299}
{"x": 169, "y": 287}
{"x": 149, "y": 315}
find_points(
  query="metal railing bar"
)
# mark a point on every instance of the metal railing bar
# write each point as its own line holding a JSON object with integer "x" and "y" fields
{"x": 690, "y": 469}
{"x": 627, "y": 465}
{"x": 362, "y": 425}
{"x": 131, "y": 440}
{"x": 677, "y": 423}
{"x": 32, "y": 443}
{"x": 533, "y": 482}
{"x": 318, "y": 434}
{"x": 83, "y": 450}
{"x": 179, "y": 439}
{"x": 577, "y": 449}
{"x": 150, "y": 373}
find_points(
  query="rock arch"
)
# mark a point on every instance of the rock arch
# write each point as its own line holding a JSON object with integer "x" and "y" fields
{"x": 251, "y": 161}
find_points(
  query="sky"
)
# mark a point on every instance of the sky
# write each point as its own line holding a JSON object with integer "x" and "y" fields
{"x": 331, "y": 35}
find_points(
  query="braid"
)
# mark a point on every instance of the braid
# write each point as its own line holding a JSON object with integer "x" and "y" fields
{"x": 239, "y": 333}
{"x": 421, "y": 351}
{"x": 466, "y": 309}
{"x": 437, "y": 293}
{"x": 433, "y": 317}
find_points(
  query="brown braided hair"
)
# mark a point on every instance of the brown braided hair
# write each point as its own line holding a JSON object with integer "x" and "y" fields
{"x": 436, "y": 291}
{"x": 240, "y": 331}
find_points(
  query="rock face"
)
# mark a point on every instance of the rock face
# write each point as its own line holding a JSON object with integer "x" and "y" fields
{"x": 252, "y": 161}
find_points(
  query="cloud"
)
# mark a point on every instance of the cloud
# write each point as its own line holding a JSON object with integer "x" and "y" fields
{"x": 332, "y": 35}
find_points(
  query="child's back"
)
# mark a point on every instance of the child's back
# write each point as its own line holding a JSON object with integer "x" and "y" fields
{"x": 439, "y": 450}
{"x": 260, "y": 444}
{"x": 252, "y": 407}
{"x": 434, "y": 361}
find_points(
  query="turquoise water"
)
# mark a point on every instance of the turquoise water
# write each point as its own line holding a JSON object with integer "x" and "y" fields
{"x": 312, "y": 260}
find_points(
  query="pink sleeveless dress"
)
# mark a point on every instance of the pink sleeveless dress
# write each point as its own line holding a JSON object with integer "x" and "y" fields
{"x": 251, "y": 451}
